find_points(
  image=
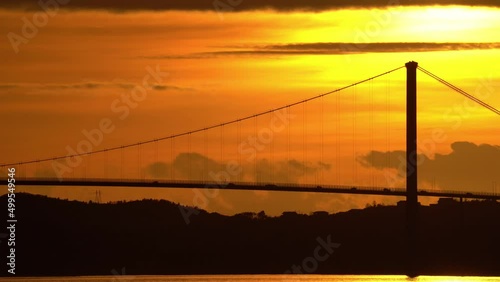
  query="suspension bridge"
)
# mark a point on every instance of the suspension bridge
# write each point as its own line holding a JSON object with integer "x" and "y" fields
{"x": 282, "y": 149}
{"x": 268, "y": 144}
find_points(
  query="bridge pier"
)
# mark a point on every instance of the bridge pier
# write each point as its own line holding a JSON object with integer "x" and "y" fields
{"x": 411, "y": 169}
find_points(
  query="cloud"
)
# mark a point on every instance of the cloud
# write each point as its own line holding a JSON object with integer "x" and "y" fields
{"x": 195, "y": 166}
{"x": 8, "y": 86}
{"x": 243, "y": 5}
{"x": 186, "y": 166}
{"x": 286, "y": 171}
{"x": 85, "y": 85}
{"x": 382, "y": 160}
{"x": 331, "y": 48}
{"x": 158, "y": 169}
{"x": 89, "y": 86}
{"x": 467, "y": 167}
{"x": 162, "y": 87}
{"x": 339, "y": 48}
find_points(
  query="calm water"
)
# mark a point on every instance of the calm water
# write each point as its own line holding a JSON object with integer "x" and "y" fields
{"x": 259, "y": 278}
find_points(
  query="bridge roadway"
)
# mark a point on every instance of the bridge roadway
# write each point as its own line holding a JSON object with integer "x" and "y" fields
{"x": 249, "y": 186}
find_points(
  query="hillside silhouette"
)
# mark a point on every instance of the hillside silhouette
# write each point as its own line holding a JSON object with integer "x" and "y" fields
{"x": 59, "y": 237}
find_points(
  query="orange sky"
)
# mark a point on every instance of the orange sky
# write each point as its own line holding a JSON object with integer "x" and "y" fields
{"x": 220, "y": 67}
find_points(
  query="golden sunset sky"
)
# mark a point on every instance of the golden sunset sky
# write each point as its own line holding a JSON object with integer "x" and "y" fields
{"x": 64, "y": 71}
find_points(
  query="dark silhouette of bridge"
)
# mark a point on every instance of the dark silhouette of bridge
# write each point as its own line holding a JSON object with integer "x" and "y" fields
{"x": 251, "y": 186}
{"x": 411, "y": 192}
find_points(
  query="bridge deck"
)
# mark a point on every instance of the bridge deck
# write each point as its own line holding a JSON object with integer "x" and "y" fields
{"x": 340, "y": 189}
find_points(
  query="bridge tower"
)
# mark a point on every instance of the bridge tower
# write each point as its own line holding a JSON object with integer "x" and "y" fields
{"x": 411, "y": 168}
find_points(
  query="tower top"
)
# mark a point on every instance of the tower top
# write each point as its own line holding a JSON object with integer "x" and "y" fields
{"x": 411, "y": 64}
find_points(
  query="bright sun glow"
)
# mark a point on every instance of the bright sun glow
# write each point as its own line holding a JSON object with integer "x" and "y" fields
{"x": 407, "y": 24}
{"x": 453, "y": 24}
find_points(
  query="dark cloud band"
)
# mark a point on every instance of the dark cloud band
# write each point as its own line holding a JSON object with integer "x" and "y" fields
{"x": 334, "y": 48}
{"x": 240, "y": 5}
